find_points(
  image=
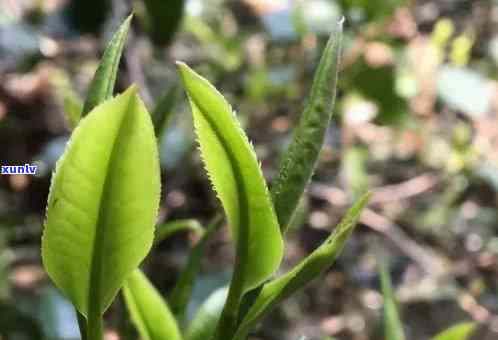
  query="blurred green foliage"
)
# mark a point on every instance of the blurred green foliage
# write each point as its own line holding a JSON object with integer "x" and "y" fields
{"x": 417, "y": 99}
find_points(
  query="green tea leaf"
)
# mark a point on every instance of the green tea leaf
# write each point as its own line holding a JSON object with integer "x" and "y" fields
{"x": 148, "y": 310}
{"x": 299, "y": 160}
{"x": 392, "y": 323}
{"x": 232, "y": 166}
{"x": 102, "y": 86}
{"x": 165, "y": 230}
{"x": 182, "y": 292}
{"x": 203, "y": 325}
{"x": 461, "y": 331}
{"x": 318, "y": 261}
{"x": 103, "y": 203}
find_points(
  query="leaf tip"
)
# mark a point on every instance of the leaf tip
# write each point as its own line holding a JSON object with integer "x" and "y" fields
{"x": 125, "y": 26}
{"x": 131, "y": 91}
{"x": 184, "y": 71}
{"x": 129, "y": 18}
{"x": 182, "y": 66}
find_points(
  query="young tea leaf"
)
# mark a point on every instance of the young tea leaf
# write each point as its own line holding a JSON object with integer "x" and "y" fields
{"x": 392, "y": 323}
{"x": 322, "y": 258}
{"x": 148, "y": 310}
{"x": 203, "y": 325}
{"x": 103, "y": 203}
{"x": 461, "y": 331}
{"x": 299, "y": 160}
{"x": 102, "y": 86}
{"x": 232, "y": 166}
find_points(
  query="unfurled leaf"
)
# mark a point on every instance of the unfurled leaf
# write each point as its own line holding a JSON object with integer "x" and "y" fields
{"x": 232, "y": 166}
{"x": 299, "y": 160}
{"x": 461, "y": 331}
{"x": 182, "y": 292}
{"x": 322, "y": 258}
{"x": 203, "y": 325}
{"x": 393, "y": 327}
{"x": 103, "y": 203}
{"x": 102, "y": 86}
{"x": 148, "y": 310}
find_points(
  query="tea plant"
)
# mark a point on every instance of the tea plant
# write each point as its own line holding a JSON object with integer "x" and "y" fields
{"x": 104, "y": 199}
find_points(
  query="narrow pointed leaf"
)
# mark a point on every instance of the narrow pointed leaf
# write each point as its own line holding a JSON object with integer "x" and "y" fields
{"x": 103, "y": 203}
{"x": 102, "y": 85}
{"x": 203, "y": 325}
{"x": 462, "y": 331}
{"x": 148, "y": 310}
{"x": 393, "y": 327}
{"x": 299, "y": 160}
{"x": 318, "y": 261}
{"x": 232, "y": 166}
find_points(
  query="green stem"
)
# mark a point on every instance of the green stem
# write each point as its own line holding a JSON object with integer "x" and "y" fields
{"x": 229, "y": 317}
{"x": 95, "y": 326}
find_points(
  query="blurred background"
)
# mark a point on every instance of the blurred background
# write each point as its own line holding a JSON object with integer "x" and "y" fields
{"x": 416, "y": 120}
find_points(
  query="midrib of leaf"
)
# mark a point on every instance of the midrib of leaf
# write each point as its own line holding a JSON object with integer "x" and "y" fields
{"x": 309, "y": 135}
{"x": 94, "y": 293}
{"x": 229, "y": 315}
